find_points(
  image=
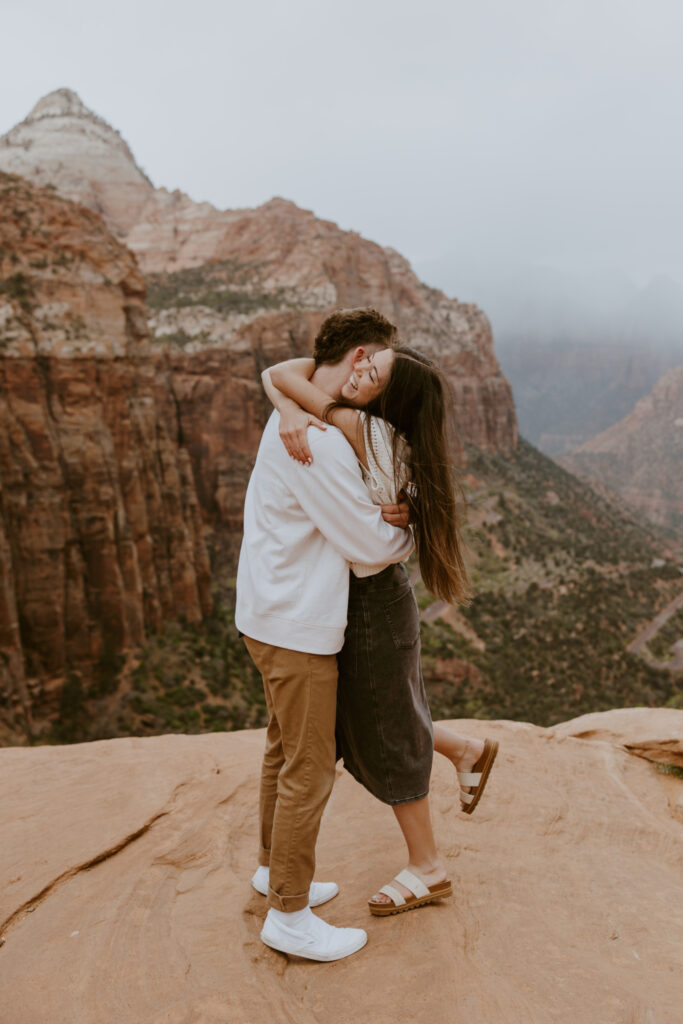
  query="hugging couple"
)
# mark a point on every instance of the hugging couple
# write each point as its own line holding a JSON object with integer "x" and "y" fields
{"x": 356, "y": 450}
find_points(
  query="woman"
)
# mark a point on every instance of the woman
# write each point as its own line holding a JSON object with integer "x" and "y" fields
{"x": 384, "y": 727}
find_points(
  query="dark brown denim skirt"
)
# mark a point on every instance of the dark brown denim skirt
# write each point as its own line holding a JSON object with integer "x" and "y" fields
{"x": 384, "y": 728}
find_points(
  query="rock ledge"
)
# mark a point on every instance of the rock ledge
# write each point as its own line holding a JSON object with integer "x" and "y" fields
{"x": 125, "y": 890}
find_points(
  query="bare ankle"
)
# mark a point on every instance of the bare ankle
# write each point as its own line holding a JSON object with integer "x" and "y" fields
{"x": 427, "y": 866}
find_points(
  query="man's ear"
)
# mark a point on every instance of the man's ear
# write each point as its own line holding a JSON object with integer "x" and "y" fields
{"x": 358, "y": 355}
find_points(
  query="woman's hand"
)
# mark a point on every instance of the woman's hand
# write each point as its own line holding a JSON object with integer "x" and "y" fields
{"x": 293, "y": 430}
{"x": 399, "y": 514}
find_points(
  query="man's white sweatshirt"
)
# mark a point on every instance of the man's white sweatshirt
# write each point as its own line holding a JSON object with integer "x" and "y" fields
{"x": 303, "y": 525}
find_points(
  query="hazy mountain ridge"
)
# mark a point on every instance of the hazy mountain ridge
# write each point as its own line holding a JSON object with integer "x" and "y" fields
{"x": 640, "y": 458}
{"x": 579, "y": 347}
{"x": 566, "y": 393}
{"x": 544, "y": 304}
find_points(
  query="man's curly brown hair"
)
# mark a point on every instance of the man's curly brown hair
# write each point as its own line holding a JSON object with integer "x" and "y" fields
{"x": 349, "y": 328}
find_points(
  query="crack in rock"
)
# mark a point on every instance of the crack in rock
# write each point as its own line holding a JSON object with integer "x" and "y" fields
{"x": 31, "y": 904}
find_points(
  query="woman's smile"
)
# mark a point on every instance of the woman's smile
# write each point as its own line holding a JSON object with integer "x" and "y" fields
{"x": 368, "y": 378}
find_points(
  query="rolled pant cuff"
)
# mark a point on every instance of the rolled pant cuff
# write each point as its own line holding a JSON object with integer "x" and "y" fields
{"x": 264, "y": 858}
{"x": 288, "y": 904}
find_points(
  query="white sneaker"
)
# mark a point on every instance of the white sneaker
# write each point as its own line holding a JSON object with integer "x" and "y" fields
{"x": 319, "y": 893}
{"x": 311, "y": 938}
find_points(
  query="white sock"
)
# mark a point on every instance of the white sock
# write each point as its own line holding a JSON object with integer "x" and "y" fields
{"x": 262, "y": 875}
{"x": 292, "y": 920}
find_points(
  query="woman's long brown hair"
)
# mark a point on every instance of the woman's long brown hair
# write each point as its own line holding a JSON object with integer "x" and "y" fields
{"x": 416, "y": 401}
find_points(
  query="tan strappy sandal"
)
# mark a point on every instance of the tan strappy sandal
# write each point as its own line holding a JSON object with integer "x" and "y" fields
{"x": 477, "y": 778}
{"x": 422, "y": 894}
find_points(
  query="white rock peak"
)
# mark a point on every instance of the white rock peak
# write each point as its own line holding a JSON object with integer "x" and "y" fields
{"x": 61, "y": 103}
{"x": 65, "y": 144}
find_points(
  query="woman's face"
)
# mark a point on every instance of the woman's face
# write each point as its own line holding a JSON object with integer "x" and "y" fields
{"x": 368, "y": 378}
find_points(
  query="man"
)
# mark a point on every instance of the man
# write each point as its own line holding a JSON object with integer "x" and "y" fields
{"x": 303, "y": 524}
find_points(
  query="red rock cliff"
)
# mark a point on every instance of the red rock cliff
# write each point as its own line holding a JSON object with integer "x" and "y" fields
{"x": 117, "y": 450}
{"x": 292, "y": 260}
{"x": 100, "y": 528}
{"x": 279, "y": 253}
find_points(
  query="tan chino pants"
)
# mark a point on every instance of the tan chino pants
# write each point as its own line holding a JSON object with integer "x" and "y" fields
{"x": 298, "y": 765}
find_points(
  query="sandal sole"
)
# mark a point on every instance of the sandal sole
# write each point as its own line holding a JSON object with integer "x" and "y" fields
{"x": 388, "y": 909}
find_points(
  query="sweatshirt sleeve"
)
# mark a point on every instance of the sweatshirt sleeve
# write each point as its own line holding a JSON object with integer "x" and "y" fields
{"x": 332, "y": 494}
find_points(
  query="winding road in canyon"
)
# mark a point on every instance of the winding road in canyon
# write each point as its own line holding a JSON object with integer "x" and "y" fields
{"x": 648, "y": 632}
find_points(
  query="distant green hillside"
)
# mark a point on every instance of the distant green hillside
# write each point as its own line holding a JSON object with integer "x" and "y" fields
{"x": 563, "y": 582}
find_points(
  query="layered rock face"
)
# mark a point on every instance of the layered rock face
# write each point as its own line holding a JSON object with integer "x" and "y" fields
{"x": 279, "y": 256}
{"x": 100, "y": 526}
{"x": 640, "y": 457}
{"x": 138, "y": 896}
{"x": 220, "y": 410}
{"x": 124, "y": 448}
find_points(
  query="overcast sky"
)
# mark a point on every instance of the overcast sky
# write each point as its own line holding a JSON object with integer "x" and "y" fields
{"x": 495, "y": 131}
